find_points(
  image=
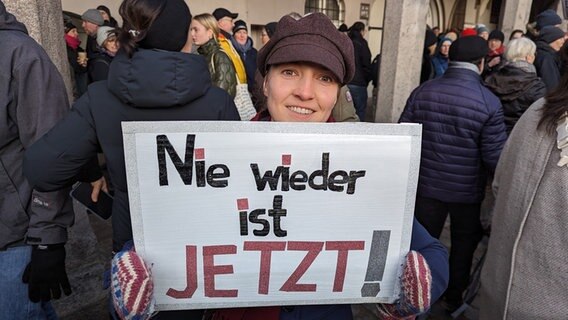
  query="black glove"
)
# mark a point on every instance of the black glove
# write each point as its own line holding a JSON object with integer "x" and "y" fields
{"x": 45, "y": 274}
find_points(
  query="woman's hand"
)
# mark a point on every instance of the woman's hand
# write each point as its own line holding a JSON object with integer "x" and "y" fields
{"x": 97, "y": 186}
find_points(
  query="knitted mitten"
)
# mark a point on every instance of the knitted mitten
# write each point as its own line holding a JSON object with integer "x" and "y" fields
{"x": 416, "y": 283}
{"x": 132, "y": 286}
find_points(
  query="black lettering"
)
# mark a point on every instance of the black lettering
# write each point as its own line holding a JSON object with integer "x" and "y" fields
{"x": 336, "y": 184}
{"x": 272, "y": 180}
{"x": 323, "y": 173}
{"x": 353, "y": 176}
{"x": 200, "y": 173}
{"x": 253, "y": 218}
{"x": 243, "y": 223}
{"x": 296, "y": 178}
{"x": 276, "y": 212}
{"x": 211, "y": 176}
{"x": 184, "y": 169}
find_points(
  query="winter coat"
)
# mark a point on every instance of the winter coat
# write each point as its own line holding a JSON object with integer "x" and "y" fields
{"x": 227, "y": 46}
{"x": 362, "y": 60}
{"x": 517, "y": 86}
{"x": 547, "y": 65}
{"x": 32, "y": 99}
{"x": 440, "y": 64}
{"x": 248, "y": 55}
{"x": 152, "y": 85}
{"x": 463, "y": 133}
{"x": 525, "y": 274}
{"x": 78, "y": 72}
{"x": 344, "y": 110}
{"x": 220, "y": 67}
{"x": 99, "y": 66}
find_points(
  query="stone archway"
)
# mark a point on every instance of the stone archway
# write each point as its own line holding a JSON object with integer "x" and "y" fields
{"x": 436, "y": 15}
{"x": 457, "y": 17}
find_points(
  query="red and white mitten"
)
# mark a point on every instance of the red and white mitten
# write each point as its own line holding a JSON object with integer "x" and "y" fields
{"x": 416, "y": 282}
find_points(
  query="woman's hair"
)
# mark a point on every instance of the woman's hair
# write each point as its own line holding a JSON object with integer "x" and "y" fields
{"x": 556, "y": 100}
{"x": 209, "y": 22}
{"x": 515, "y": 32}
{"x": 519, "y": 49}
{"x": 356, "y": 29}
{"x": 137, "y": 17}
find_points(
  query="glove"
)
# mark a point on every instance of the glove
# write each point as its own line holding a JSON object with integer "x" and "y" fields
{"x": 416, "y": 283}
{"x": 45, "y": 274}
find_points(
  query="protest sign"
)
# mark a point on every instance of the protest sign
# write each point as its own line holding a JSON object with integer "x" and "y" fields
{"x": 233, "y": 214}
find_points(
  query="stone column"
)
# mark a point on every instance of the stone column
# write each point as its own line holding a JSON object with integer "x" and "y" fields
{"x": 515, "y": 14}
{"x": 44, "y": 20}
{"x": 401, "y": 56}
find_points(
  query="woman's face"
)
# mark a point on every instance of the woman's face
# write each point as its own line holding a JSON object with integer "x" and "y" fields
{"x": 264, "y": 37}
{"x": 199, "y": 34}
{"x": 241, "y": 36}
{"x": 445, "y": 48}
{"x": 73, "y": 33}
{"x": 111, "y": 45}
{"x": 300, "y": 92}
{"x": 105, "y": 15}
{"x": 494, "y": 44}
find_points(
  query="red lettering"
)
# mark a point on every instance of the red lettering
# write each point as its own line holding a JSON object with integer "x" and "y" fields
{"x": 265, "y": 248}
{"x": 342, "y": 248}
{"x": 210, "y": 270}
{"x": 191, "y": 275}
{"x": 313, "y": 248}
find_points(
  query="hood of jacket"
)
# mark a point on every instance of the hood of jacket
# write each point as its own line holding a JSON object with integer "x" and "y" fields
{"x": 158, "y": 79}
{"x": 9, "y": 22}
{"x": 512, "y": 81}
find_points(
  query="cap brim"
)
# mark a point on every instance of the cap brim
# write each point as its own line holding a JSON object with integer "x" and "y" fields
{"x": 233, "y": 15}
{"x": 303, "y": 48}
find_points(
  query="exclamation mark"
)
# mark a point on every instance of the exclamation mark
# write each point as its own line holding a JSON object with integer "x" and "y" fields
{"x": 376, "y": 265}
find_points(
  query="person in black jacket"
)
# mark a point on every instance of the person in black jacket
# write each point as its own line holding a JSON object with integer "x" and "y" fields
{"x": 100, "y": 63}
{"x": 139, "y": 88}
{"x": 245, "y": 48}
{"x": 358, "y": 86}
{"x": 78, "y": 66}
{"x": 516, "y": 83}
{"x": 547, "y": 62}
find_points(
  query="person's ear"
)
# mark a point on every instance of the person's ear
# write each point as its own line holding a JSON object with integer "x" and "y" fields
{"x": 264, "y": 86}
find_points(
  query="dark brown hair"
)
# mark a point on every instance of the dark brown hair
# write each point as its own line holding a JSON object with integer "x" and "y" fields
{"x": 556, "y": 100}
{"x": 137, "y": 17}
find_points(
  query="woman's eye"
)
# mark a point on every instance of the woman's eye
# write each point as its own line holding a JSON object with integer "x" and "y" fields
{"x": 288, "y": 72}
{"x": 326, "y": 78}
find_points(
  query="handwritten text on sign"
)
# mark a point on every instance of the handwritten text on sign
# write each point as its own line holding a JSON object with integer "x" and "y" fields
{"x": 247, "y": 214}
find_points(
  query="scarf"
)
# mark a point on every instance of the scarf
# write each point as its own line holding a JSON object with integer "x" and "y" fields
{"x": 242, "y": 48}
{"x": 72, "y": 42}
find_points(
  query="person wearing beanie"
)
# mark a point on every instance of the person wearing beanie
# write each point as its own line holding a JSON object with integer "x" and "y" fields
{"x": 468, "y": 32}
{"x": 441, "y": 58}
{"x": 482, "y": 31}
{"x": 92, "y": 20}
{"x": 547, "y": 18}
{"x": 494, "y": 59}
{"x": 358, "y": 85}
{"x": 427, "y": 72}
{"x": 463, "y": 133}
{"x": 550, "y": 41}
{"x": 107, "y": 17}
{"x": 267, "y": 32}
{"x": 204, "y": 32}
{"x": 245, "y": 47}
{"x": 225, "y": 20}
{"x": 78, "y": 66}
{"x": 149, "y": 80}
{"x": 100, "y": 63}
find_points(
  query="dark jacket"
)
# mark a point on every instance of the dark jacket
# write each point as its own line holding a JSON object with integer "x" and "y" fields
{"x": 92, "y": 47}
{"x": 248, "y": 54}
{"x": 153, "y": 85}
{"x": 517, "y": 86}
{"x": 463, "y": 133}
{"x": 99, "y": 67}
{"x": 78, "y": 72}
{"x": 220, "y": 67}
{"x": 440, "y": 64}
{"x": 32, "y": 99}
{"x": 362, "y": 60}
{"x": 547, "y": 65}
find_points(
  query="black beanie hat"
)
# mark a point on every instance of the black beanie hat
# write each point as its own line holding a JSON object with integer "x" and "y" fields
{"x": 69, "y": 26}
{"x": 468, "y": 49}
{"x": 169, "y": 29}
{"x": 430, "y": 39}
{"x": 105, "y": 9}
{"x": 550, "y": 34}
{"x": 498, "y": 35}
{"x": 270, "y": 28}
{"x": 547, "y": 18}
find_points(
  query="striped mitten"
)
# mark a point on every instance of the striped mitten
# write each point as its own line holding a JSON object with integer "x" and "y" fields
{"x": 416, "y": 283}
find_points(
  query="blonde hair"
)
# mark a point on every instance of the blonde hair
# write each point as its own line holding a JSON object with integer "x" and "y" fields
{"x": 209, "y": 22}
{"x": 519, "y": 49}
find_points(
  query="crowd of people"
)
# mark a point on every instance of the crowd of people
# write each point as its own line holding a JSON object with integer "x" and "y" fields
{"x": 480, "y": 104}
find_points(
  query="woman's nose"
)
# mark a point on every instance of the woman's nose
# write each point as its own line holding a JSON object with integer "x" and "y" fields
{"x": 305, "y": 88}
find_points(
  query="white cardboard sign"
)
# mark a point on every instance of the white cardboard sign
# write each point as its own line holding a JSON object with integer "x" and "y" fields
{"x": 234, "y": 214}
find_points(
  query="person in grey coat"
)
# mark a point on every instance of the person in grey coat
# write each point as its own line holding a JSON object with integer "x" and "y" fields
{"x": 33, "y": 225}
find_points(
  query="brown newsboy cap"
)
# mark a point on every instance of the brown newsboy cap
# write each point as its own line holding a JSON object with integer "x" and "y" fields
{"x": 313, "y": 38}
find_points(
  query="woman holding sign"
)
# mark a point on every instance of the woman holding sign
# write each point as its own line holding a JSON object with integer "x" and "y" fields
{"x": 304, "y": 65}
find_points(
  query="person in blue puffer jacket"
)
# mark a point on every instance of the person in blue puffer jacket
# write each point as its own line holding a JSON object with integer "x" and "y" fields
{"x": 463, "y": 133}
